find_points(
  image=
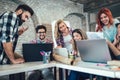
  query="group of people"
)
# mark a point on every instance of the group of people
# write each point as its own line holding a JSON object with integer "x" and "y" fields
{"x": 65, "y": 37}
{"x": 110, "y": 28}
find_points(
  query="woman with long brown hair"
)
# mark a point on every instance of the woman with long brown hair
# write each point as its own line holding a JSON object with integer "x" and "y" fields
{"x": 77, "y": 35}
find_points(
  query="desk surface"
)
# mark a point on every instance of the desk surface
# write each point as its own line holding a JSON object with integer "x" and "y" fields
{"x": 117, "y": 74}
{"x": 28, "y": 66}
{"x": 90, "y": 68}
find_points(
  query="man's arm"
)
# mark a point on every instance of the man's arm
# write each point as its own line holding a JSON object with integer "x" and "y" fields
{"x": 8, "y": 50}
{"x": 8, "y": 47}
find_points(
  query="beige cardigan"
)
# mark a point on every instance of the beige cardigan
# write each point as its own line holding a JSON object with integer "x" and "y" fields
{"x": 65, "y": 60}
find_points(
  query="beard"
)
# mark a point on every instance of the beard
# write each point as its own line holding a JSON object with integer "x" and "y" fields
{"x": 42, "y": 37}
{"x": 20, "y": 19}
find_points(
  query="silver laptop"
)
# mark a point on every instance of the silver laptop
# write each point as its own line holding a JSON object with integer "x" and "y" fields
{"x": 61, "y": 51}
{"x": 94, "y": 50}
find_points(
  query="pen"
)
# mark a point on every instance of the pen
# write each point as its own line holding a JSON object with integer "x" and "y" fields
{"x": 101, "y": 64}
{"x": 42, "y": 53}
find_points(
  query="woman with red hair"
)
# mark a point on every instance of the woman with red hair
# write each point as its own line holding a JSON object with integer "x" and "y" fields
{"x": 106, "y": 24}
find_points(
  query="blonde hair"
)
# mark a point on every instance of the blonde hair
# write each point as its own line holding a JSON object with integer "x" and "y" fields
{"x": 57, "y": 31}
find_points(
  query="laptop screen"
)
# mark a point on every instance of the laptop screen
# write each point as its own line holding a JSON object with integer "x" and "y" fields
{"x": 95, "y": 35}
{"x": 94, "y": 50}
{"x": 31, "y": 52}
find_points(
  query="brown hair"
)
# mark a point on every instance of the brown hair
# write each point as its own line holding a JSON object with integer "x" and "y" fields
{"x": 82, "y": 34}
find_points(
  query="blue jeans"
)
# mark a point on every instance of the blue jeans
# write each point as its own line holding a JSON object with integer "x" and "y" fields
{"x": 74, "y": 75}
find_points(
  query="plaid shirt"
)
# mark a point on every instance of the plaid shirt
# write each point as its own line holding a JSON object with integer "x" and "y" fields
{"x": 8, "y": 29}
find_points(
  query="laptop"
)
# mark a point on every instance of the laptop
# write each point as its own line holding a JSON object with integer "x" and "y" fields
{"x": 94, "y": 50}
{"x": 61, "y": 51}
{"x": 95, "y": 35}
{"x": 31, "y": 52}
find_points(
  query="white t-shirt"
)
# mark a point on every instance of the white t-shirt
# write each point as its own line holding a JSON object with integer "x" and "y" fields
{"x": 67, "y": 41}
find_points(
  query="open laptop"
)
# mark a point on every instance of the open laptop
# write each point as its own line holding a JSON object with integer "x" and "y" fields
{"x": 95, "y": 35}
{"x": 31, "y": 52}
{"x": 94, "y": 50}
{"x": 61, "y": 51}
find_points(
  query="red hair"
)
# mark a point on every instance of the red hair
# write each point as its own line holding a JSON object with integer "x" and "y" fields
{"x": 108, "y": 13}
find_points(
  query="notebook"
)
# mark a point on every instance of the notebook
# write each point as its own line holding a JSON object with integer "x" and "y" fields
{"x": 61, "y": 51}
{"x": 94, "y": 50}
{"x": 31, "y": 52}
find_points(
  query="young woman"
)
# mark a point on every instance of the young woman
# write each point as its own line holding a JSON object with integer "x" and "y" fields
{"x": 115, "y": 46}
{"x": 63, "y": 39}
{"x": 63, "y": 35}
{"x": 106, "y": 24}
{"x": 78, "y": 35}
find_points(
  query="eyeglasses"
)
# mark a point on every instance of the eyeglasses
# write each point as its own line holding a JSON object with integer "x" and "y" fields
{"x": 41, "y": 32}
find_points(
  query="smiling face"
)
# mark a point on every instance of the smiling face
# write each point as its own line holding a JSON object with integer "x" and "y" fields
{"x": 104, "y": 19}
{"x": 77, "y": 36}
{"x": 62, "y": 27}
{"x": 41, "y": 34}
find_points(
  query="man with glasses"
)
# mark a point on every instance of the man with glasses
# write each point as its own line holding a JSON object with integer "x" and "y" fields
{"x": 45, "y": 74}
{"x": 41, "y": 35}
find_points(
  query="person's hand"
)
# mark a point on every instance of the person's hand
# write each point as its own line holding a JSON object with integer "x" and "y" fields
{"x": 115, "y": 41}
{"x": 108, "y": 42}
{"x": 22, "y": 29}
{"x": 48, "y": 41}
{"x": 17, "y": 61}
{"x": 59, "y": 47}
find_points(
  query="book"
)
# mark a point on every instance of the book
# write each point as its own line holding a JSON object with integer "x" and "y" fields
{"x": 114, "y": 65}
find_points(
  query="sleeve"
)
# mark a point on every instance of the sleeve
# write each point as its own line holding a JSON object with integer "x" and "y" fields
{"x": 116, "y": 21}
{"x": 9, "y": 21}
{"x": 62, "y": 59}
{"x": 58, "y": 41}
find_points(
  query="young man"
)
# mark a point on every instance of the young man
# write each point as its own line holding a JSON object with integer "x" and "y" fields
{"x": 41, "y": 38}
{"x": 41, "y": 35}
{"x": 9, "y": 32}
